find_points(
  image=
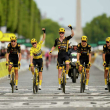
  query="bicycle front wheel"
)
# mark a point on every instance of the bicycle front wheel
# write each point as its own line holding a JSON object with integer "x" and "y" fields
{"x": 34, "y": 84}
{"x": 82, "y": 86}
{"x": 12, "y": 83}
{"x": 64, "y": 82}
{"x": 109, "y": 82}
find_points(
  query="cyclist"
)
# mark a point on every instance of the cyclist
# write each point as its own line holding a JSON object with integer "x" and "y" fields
{"x": 84, "y": 55}
{"x": 36, "y": 56}
{"x": 13, "y": 51}
{"x": 106, "y": 59}
{"x": 62, "y": 43}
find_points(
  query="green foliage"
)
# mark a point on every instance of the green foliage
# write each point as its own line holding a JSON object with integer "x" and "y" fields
{"x": 21, "y": 16}
{"x": 98, "y": 29}
{"x": 51, "y": 31}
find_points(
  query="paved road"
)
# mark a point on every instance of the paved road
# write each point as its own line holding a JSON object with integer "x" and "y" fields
{"x": 49, "y": 98}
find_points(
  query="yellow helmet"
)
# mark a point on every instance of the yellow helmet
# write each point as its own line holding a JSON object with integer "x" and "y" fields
{"x": 84, "y": 38}
{"x": 108, "y": 39}
{"x": 33, "y": 40}
{"x": 13, "y": 38}
{"x": 61, "y": 30}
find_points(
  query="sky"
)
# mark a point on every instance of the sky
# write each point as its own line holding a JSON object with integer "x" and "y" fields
{"x": 64, "y": 11}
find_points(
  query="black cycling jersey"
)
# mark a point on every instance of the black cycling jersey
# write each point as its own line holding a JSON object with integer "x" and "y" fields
{"x": 84, "y": 51}
{"x": 62, "y": 46}
{"x": 13, "y": 51}
{"x": 106, "y": 51}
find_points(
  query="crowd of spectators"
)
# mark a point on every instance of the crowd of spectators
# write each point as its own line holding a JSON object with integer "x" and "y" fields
{"x": 2, "y": 53}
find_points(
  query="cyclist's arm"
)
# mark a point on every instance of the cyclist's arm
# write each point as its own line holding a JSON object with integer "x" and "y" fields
{"x": 103, "y": 56}
{"x": 31, "y": 59}
{"x": 7, "y": 57}
{"x": 8, "y": 51}
{"x": 19, "y": 57}
{"x": 72, "y": 33}
{"x": 78, "y": 56}
{"x": 44, "y": 36}
{"x": 55, "y": 44}
{"x": 89, "y": 53}
{"x": 52, "y": 49}
{"x": 78, "y": 52}
{"x": 89, "y": 57}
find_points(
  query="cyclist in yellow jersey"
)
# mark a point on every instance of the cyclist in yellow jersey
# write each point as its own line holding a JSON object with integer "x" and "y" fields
{"x": 36, "y": 56}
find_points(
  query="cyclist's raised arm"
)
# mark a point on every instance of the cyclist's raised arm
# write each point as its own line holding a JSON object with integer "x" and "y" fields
{"x": 72, "y": 32}
{"x": 44, "y": 34}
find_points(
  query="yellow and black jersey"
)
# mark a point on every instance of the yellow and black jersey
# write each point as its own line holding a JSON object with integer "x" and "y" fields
{"x": 13, "y": 51}
{"x": 36, "y": 52}
{"x": 62, "y": 46}
{"x": 106, "y": 51}
{"x": 83, "y": 50}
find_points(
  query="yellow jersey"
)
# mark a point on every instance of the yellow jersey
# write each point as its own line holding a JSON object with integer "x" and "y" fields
{"x": 36, "y": 52}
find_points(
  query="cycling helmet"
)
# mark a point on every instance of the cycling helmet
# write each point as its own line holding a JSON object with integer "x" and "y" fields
{"x": 33, "y": 40}
{"x": 13, "y": 38}
{"x": 61, "y": 30}
{"x": 84, "y": 38}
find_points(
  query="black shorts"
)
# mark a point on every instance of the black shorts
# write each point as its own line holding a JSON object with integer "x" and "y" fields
{"x": 86, "y": 62}
{"x": 39, "y": 62}
{"x": 107, "y": 62}
{"x": 62, "y": 58}
{"x": 13, "y": 60}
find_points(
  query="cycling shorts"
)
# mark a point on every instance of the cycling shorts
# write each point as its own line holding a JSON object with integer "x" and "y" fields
{"x": 38, "y": 62}
{"x": 86, "y": 62}
{"x": 13, "y": 60}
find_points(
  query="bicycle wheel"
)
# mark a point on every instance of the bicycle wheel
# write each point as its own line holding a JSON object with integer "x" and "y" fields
{"x": 108, "y": 83}
{"x": 84, "y": 81}
{"x": 34, "y": 83}
{"x": 12, "y": 83}
{"x": 64, "y": 82}
{"x": 74, "y": 75}
{"x": 82, "y": 86}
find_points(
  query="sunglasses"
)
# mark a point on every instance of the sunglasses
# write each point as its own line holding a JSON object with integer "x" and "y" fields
{"x": 61, "y": 32}
{"x": 13, "y": 41}
{"x": 107, "y": 42}
{"x": 33, "y": 43}
{"x": 83, "y": 41}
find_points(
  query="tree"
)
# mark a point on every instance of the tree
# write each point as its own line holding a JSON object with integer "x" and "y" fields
{"x": 97, "y": 29}
{"x": 51, "y": 31}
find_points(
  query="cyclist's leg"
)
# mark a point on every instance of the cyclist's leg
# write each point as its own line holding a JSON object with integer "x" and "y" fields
{"x": 32, "y": 67}
{"x": 16, "y": 71}
{"x": 40, "y": 64}
{"x": 87, "y": 73}
{"x": 59, "y": 62}
{"x": 66, "y": 59}
{"x": 10, "y": 66}
{"x": 80, "y": 66}
{"x": 105, "y": 74}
